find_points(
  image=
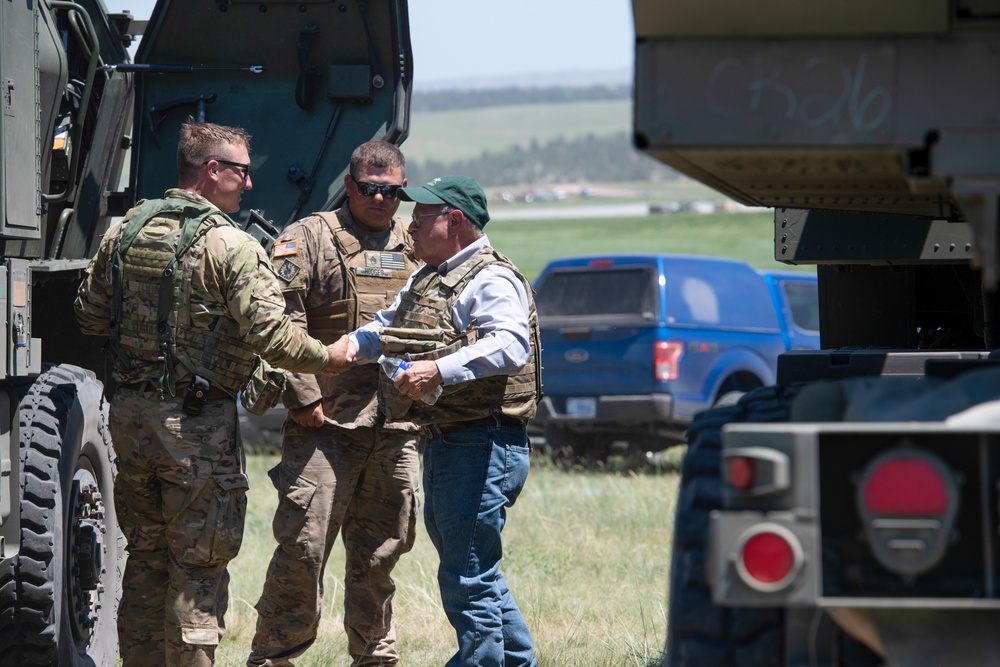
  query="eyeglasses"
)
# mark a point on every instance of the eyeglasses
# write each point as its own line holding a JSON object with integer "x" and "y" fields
{"x": 243, "y": 166}
{"x": 415, "y": 219}
{"x": 371, "y": 189}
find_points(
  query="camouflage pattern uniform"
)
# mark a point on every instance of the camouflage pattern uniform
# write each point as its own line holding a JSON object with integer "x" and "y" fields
{"x": 357, "y": 473}
{"x": 180, "y": 491}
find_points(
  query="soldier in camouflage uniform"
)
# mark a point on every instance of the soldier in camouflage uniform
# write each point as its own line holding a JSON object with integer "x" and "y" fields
{"x": 466, "y": 322}
{"x": 189, "y": 302}
{"x": 343, "y": 467}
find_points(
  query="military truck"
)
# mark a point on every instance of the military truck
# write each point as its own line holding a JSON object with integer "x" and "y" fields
{"x": 85, "y": 131}
{"x": 849, "y": 514}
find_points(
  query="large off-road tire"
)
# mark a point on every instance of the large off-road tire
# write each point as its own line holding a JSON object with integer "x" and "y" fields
{"x": 59, "y": 595}
{"x": 699, "y": 632}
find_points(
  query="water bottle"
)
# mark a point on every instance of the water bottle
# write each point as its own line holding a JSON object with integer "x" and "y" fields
{"x": 392, "y": 366}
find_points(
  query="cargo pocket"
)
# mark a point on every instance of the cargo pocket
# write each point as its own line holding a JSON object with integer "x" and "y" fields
{"x": 227, "y": 515}
{"x": 291, "y": 520}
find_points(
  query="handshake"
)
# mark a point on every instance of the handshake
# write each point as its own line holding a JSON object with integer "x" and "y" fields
{"x": 343, "y": 355}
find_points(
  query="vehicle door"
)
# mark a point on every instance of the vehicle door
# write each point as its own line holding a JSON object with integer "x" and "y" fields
{"x": 309, "y": 80}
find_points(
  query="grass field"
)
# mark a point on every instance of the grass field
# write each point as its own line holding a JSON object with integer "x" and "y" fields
{"x": 530, "y": 244}
{"x": 586, "y": 556}
{"x": 447, "y": 136}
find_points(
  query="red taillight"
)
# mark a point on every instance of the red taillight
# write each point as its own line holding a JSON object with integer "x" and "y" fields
{"x": 755, "y": 471}
{"x": 667, "y": 360}
{"x": 908, "y": 500}
{"x": 601, "y": 262}
{"x": 769, "y": 557}
{"x": 905, "y": 486}
{"x": 740, "y": 472}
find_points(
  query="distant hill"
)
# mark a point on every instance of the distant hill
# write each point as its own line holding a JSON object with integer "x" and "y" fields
{"x": 451, "y": 100}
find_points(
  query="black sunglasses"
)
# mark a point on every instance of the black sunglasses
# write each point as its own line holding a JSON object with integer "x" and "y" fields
{"x": 371, "y": 189}
{"x": 245, "y": 167}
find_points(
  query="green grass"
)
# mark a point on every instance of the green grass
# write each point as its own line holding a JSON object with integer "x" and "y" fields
{"x": 530, "y": 244}
{"x": 586, "y": 555}
{"x": 447, "y": 136}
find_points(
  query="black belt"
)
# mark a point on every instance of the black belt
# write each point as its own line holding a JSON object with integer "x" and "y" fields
{"x": 214, "y": 393}
{"x": 492, "y": 420}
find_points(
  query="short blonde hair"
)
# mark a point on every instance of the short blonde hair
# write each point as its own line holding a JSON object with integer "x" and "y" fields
{"x": 200, "y": 141}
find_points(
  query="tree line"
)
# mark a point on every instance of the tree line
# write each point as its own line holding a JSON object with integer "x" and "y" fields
{"x": 587, "y": 159}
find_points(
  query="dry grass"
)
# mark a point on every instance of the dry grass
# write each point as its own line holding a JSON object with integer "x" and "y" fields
{"x": 587, "y": 557}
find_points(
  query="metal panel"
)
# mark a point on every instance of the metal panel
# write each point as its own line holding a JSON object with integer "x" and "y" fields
{"x": 863, "y": 124}
{"x": 24, "y": 353}
{"x": 21, "y": 203}
{"x": 701, "y": 18}
{"x": 821, "y": 237}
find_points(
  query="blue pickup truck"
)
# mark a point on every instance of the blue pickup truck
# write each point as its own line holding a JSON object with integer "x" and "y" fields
{"x": 634, "y": 345}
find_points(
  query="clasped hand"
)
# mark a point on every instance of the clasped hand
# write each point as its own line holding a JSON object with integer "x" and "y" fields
{"x": 343, "y": 356}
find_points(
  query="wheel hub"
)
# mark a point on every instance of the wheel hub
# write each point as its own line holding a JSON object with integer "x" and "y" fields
{"x": 86, "y": 561}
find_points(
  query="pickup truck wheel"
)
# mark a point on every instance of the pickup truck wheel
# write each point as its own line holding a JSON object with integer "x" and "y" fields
{"x": 59, "y": 594}
{"x": 699, "y": 632}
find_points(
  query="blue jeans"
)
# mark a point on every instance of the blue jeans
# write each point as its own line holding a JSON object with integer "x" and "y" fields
{"x": 470, "y": 478}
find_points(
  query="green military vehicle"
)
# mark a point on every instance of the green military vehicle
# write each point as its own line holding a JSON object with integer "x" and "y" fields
{"x": 850, "y": 514}
{"x": 85, "y": 131}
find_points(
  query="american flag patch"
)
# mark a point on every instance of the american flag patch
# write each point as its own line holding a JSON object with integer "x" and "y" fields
{"x": 285, "y": 249}
{"x": 388, "y": 261}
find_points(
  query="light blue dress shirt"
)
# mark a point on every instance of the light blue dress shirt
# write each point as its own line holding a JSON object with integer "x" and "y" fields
{"x": 495, "y": 299}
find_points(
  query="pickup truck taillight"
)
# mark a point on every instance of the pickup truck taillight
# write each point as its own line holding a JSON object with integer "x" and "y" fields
{"x": 667, "y": 359}
{"x": 908, "y": 499}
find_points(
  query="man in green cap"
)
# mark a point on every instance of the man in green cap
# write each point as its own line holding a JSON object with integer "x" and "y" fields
{"x": 465, "y": 322}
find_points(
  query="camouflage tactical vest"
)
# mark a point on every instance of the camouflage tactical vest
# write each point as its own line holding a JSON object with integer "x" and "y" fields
{"x": 372, "y": 278}
{"x": 423, "y": 329}
{"x": 151, "y": 321}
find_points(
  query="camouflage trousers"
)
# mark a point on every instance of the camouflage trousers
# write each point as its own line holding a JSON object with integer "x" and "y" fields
{"x": 363, "y": 483}
{"x": 181, "y": 501}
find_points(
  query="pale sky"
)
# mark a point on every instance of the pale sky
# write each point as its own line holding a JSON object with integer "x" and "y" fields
{"x": 466, "y": 41}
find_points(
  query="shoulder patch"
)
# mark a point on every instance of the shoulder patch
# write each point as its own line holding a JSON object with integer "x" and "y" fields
{"x": 288, "y": 270}
{"x": 285, "y": 249}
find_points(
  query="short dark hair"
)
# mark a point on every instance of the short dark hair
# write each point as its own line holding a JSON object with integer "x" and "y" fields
{"x": 378, "y": 154}
{"x": 200, "y": 141}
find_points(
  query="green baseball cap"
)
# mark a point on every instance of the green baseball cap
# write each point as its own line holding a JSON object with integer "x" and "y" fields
{"x": 459, "y": 192}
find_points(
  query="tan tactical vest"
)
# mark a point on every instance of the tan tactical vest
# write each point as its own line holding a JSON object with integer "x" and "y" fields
{"x": 423, "y": 329}
{"x": 219, "y": 354}
{"x": 372, "y": 278}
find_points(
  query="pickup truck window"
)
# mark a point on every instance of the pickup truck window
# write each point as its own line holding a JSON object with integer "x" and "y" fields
{"x": 593, "y": 293}
{"x": 700, "y": 293}
{"x": 803, "y": 304}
